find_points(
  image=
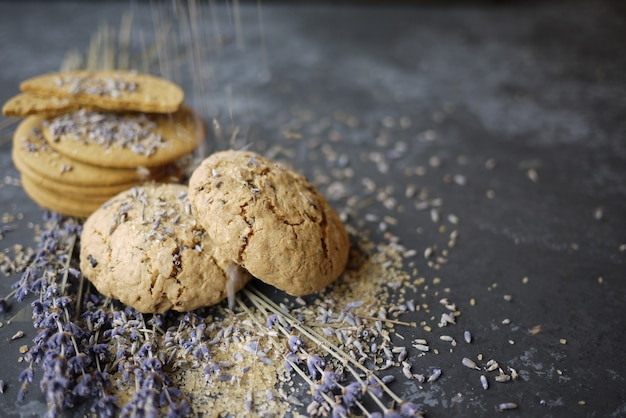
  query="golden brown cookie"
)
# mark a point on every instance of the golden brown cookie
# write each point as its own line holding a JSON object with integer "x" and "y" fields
{"x": 71, "y": 191}
{"x": 269, "y": 220}
{"x": 145, "y": 248}
{"x": 125, "y": 140}
{"x": 66, "y": 205}
{"x": 31, "y": 151}
{"x": 111, "y": 90}
{"x": 25, "y": 104}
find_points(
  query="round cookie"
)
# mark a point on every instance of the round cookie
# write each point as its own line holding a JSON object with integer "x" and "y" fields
{"x": 145, "y": 248}
{"x": 110, "y": 90}
{"x": 269, "y": 220}
{"x": 25, "y": 104}
{"x": 66, "y": 205}
{"x": 125, "y": 140}
{"x": 30, "y": 149}
{"x": 70, "y": 190}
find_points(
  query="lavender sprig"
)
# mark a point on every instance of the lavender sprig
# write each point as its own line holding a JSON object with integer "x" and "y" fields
{"x": 67, "y": 351}
{"x": 142, "y": 363}
{"x": 329, "y": 395}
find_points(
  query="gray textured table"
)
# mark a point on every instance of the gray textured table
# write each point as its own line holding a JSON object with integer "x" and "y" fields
{"x": 537, "y": 89}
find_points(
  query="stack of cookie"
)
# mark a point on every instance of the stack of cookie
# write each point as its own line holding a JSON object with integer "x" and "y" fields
{"x": 241, "y": 216}
{"x": 88, "y": 135}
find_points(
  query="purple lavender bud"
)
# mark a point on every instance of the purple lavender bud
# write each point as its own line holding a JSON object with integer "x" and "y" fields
{"x": 102, "y": 350}
{"x": 145, "y": 349}
{"x": 339, "y": 411}
{"x": 21, "y": 293}
{"x": 26, "y": 375}
{"x": 73, "y": 329}
{"x": 85, "y": 387}
{"x": 38, "y": 286}
{"x": 375, "y": 390}
{"x": 271, "y": 321}
{"x": 330, "y": 379}
{"x": 75, "y": 273}
{"x": 78, "y": 363}
{"x": 290, "y": 359}
{"x": 152, "y": 363}
{"x": 58, "y": 340}
{"x": 105, "y": 407}
{"x": 314, "y": 363}
{"x": 352, "y": 393}
{"x": 202, "y": 351}
{"x": 294, "y": 343}
{"x": 317, "y": 393}
{"x": 350, "y": 319}
{"x": 352, "y": 305}
{"x": 410, "y": 409}
{"x": 37, "y": 308}
{"x": 325, "y": 315}
{"x": 180, "y": 409}
{"x": 21, "y": 394}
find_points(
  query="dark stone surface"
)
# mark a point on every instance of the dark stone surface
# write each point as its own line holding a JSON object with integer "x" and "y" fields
{"x": 530, "y": 85}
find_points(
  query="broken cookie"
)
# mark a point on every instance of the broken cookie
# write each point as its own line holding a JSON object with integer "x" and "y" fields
{"x": 269, "y": 220}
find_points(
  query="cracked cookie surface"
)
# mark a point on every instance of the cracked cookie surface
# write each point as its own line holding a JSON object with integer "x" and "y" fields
{"x": 269, "y": 220}
{"x": 145, "y": 248}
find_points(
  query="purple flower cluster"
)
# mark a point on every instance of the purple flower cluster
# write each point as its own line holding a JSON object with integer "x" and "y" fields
{"x": 75, "y": 328}
{"x": 66, "y": 348}
{"x": 142, "y": 363}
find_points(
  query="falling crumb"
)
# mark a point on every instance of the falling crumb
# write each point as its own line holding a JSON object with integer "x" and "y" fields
{"x": 563, "y": 341}
{"x": 508, "y": 298}
{"x": 600, "y": 279}
{"x": 581, "y": 402}
{"x": 535, "y": 330}
{"x": 23, "y": 349}
{"x": 490, "y": 194}
{"x": 525, "y": 280}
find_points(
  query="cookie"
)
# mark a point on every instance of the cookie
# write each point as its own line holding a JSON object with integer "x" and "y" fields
{"x": 145, "y": 248}
{"x": 74, "y": 192}
{"x": 25, "y": 104}
{"x": 66, "y": 205}
{"x": 125, "y": 140}
{"x": 110, "y": 90}
{"x": 270, "y": 220}
{"x": 32, "y": 152}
